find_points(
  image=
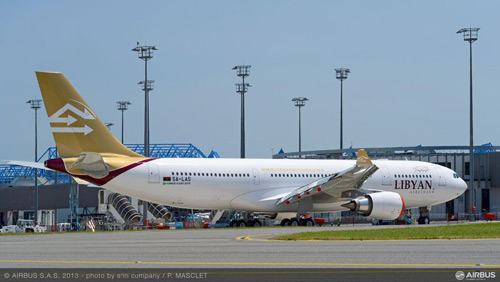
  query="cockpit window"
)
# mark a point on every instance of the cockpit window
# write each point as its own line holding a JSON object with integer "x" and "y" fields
{"x": 455, "y": 175}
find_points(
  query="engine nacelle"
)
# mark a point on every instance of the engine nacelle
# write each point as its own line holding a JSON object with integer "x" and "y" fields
{"x": 381, "y": 205}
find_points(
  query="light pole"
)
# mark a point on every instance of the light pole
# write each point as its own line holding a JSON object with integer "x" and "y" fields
{"x": 299, "y": 103}
{"x": 36, "y": 104}
{"x": 109, "y": 125}
{"x": 145, "y": 53}
{"x": 122, "y": 106}
{"x": 341, "y": 74}
{"x": 241, "y": 88}
{"x": 470, "y": 35}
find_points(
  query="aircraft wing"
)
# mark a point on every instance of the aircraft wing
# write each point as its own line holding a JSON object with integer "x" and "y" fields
{"x": 337, "y": 186}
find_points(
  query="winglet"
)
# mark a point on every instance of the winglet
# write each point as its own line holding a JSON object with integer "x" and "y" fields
{"x": 363, "y": 158}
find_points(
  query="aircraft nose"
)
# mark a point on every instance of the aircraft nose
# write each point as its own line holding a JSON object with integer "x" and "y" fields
{"x": 462, "y": 186}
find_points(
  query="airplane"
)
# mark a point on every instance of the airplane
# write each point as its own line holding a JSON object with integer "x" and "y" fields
{"x": 380, "y": 189}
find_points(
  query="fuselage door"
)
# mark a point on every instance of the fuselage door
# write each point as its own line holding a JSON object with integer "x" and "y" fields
{"x": 154, "y": 173}
{"x": 256, "y": 179}
{"x": 442, "y": 178}
{"x": 386, "y": 176}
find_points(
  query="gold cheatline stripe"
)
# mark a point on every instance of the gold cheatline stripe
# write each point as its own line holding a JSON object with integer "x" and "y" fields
{"x": 247, "y": 263}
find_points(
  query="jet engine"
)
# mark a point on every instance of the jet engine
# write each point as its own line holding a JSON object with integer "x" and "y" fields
{"x": 380, "y": 205}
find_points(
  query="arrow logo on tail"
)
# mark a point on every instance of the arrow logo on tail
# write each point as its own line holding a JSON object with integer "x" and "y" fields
{"x": 56, "y": 117}
{"x": 86, "y": 114}
{"x": 85, "y": 129}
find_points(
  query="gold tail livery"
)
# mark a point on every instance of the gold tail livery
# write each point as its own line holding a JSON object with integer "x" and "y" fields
{"x": 380, "y": 189}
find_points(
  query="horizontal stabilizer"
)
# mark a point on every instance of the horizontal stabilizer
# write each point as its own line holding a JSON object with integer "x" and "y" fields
{"x": 91, "y": 164}
{"x": 40, "y": 166}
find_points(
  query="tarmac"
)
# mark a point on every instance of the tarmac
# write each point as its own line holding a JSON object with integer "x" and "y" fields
{"x": 238, "y": 248}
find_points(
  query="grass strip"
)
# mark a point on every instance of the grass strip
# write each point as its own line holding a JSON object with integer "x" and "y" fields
{"x": 464, "y": 231}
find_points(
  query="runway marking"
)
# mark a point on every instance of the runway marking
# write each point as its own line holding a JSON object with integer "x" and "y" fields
{"x": 250, "y": 263}
{"x": 251, "y": 238}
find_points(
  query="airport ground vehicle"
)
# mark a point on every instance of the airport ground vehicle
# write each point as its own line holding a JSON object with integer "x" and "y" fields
{"x": 24, "y": 226}
{"x": 489, "y": 215}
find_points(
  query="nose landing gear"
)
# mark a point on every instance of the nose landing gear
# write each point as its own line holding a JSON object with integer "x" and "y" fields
{"x": 424, "y": 216}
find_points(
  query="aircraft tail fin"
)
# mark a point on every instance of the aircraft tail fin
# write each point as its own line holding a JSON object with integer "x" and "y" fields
{"x": 75, "y": 126}
{"x": 363, "y": 159}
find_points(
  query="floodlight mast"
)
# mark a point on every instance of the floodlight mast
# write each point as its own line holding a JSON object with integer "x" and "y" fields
{"x": 122, "y": 106}
{"x": 109, "y": 125}
{"x": 36, "y": 104}
{"x": 299, "y": 103}
{"x": 145, "y": 53}
{"x": 341, "y": 74}
{"x": 242, "y": 88}
{"x": 470, "y": 34}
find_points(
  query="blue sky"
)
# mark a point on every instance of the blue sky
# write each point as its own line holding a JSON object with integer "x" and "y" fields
{"x": 408, "y": 86}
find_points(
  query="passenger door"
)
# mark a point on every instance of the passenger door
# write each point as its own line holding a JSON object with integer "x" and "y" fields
{"x": 386, "y": 176}
{"x": 154, "y": 173}
{"x": 441, "y": 176}
{"x": 256, "y": 179}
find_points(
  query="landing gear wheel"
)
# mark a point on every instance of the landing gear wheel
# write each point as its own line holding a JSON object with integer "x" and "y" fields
{"x": 241, "y": 223}
{"x": 256, "y": 223}
{"x": 309, "y": 222}
{"x": 293, "y": 222}
{"x": 285, "y": 222}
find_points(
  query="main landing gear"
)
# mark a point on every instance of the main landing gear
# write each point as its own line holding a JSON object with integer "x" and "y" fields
{"x": 297, "y": 222}
{"x": 243, "y": 223}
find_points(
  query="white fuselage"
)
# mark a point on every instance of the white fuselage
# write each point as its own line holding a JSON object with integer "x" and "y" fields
{"x": 257, "y": 184}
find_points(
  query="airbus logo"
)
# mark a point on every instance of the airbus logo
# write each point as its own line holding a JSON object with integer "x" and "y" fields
{"x": 475, "y": 275}
{"x": 68, "y": 120}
